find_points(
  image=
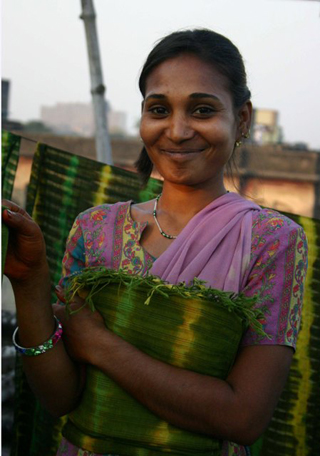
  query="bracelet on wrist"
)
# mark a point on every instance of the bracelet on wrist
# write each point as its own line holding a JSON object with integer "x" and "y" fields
{"x": 40, "y": 349}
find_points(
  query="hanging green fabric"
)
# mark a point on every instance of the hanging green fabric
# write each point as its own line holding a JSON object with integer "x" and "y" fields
{"x": 9, "y": 162}
{"x": 295, "y": 426}
{"x": 10, "y": 149}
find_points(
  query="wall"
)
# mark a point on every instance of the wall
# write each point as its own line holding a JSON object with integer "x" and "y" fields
{"x": 287, "y": 180}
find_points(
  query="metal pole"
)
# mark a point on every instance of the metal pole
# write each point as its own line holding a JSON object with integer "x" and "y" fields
{"x": 103, "y": 145}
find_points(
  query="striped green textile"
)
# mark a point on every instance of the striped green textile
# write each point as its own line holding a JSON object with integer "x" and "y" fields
{"x": 61, "y": 186}
{"x": 10, "y": 148}
{"x": 295, "y": 426}
{"x": 194, "y": 328}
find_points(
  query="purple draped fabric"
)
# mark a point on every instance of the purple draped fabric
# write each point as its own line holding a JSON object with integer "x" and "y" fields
{"x": 214, "y": 246}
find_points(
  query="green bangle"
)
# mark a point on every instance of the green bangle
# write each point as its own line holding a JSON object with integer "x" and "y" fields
{"x": 43, "y": 348}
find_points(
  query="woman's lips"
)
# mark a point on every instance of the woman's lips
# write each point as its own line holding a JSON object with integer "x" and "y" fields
{"x": 181, "y": 153}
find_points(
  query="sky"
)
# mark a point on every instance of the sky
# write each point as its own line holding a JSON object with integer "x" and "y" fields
{"x": 44, "y": 53}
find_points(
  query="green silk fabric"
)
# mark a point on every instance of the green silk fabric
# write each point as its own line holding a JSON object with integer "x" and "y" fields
{"x": 193, "y": 328}
{"x": 9, "y": 162}
{"x": 10, "y": 149}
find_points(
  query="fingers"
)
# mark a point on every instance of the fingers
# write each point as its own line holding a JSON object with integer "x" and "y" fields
{"x": 60, "y": 294}
{"x": 20, "y": 221}
{"x": 76, "y": 304}
{"x": 13, "y": 207}
{"x": 79, "y": 300}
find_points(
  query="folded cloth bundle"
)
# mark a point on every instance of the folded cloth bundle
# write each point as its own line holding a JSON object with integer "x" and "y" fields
{"x": 195, "y": 328}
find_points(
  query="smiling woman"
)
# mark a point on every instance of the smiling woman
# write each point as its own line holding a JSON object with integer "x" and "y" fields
{"x": 196, "y": 235}
{"x": 189, "y": 125}
{"x": 220, "y": 64}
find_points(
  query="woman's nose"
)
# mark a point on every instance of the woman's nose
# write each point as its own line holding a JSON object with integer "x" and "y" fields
{"x": 179, "y": 129}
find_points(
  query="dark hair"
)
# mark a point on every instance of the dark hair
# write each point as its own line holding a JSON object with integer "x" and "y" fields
{"x": 212, "y": 48}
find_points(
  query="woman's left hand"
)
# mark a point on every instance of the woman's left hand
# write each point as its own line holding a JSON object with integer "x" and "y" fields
{"x": 81, "y": 330}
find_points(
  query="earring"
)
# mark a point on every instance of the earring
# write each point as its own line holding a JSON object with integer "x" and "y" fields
{"x": 246, "y": 135}
{"x": 238, "y": 143}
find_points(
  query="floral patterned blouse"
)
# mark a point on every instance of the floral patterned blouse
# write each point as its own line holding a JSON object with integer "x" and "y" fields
{"x": 107, "y": 235}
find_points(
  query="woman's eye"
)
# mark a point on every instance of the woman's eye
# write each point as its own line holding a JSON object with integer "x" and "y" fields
{"x": 158, "y": 110}
{"x": 204, "y": 110}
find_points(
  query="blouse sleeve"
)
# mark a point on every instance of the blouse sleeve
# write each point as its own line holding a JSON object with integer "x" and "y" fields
{"x": 74, "y": 257}
{"x": 277, "y": 273}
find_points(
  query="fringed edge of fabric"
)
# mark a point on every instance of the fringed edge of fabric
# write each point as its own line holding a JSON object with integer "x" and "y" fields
{"x": 90, "y": 281}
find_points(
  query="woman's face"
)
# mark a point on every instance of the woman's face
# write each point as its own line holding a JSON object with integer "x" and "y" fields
{"x": 188, "y": 125}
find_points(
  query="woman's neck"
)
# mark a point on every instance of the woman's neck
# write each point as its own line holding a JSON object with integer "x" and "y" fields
{"x": 185, "y": 202}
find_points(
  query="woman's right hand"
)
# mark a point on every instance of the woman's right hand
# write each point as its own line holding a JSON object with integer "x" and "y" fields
{"x": 27, "y": 268}
{"x": 26, "y": 254}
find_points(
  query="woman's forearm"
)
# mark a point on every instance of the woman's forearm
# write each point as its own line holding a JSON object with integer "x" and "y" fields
{"x": 53, "y": 376}
{"x": 183, "y": 398}
{"x": 238, "y": 409}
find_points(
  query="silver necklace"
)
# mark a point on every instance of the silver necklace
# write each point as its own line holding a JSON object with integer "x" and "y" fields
{"x": 154, "y": 213}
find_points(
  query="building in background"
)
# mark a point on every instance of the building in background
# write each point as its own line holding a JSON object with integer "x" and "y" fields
{"x": 6, "y": 123}
{"x": 265, "y": 127}
{"x": 5, "y": 87}
{"x": 77, "y": 119}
